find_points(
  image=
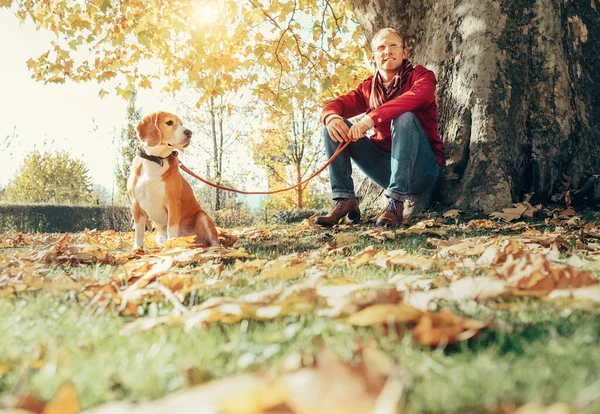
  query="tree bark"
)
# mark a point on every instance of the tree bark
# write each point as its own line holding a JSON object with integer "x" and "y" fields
{"x": 517, "y": 94}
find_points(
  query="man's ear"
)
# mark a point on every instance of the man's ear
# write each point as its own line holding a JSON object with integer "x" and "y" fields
{"x": 148, "y": 131}
{"x": 404, "y": 53}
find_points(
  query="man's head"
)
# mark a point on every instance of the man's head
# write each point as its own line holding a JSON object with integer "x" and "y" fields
{"x": 388, "y": 50}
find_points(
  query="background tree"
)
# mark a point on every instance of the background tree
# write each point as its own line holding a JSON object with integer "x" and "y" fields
{"x": 516, "y": 80}
{"x": 516, "y": 93}
{"x": 291, "y": 149}
{"x": 215, "y": 137}
{"x": 216, "y": 47}
{"x": 52, "y": 178}
{"x": 127, "y": 148}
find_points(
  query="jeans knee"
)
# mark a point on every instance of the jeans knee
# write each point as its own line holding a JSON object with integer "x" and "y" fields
{"x": 404, "y": 121}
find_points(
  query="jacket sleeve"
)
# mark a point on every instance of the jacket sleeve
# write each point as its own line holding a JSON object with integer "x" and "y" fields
{"x": 419, "y": 96}
{"x": 347, "y": 106}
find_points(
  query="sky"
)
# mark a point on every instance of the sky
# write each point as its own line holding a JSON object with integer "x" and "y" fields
{"x": 67, "y": 117}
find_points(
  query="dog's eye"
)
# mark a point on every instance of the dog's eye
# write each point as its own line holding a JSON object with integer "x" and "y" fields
{"x": 169, "y": 123}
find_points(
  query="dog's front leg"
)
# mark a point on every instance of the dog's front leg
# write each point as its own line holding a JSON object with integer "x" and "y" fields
{"x": 139, "y": 219}
{"x": 174, "y": 211}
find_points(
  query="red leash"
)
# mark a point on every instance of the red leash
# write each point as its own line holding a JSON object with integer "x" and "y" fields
{"x": 339, "y": 149}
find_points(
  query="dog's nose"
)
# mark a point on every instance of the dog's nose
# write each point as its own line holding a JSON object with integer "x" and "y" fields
{"x": 188, "y": 133}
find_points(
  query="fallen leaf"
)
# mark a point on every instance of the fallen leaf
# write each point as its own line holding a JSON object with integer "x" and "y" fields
{"x": 345, "y": 239}
{"x": 452, "y": 213}
{"x": 446, "y": 328}
{"x": 65, "y": 401}
{"x": 535, "y": 408}
{"x": 385, "y": 313}
{"x": 535, "y": 273}
{"x": 510, "y": 214}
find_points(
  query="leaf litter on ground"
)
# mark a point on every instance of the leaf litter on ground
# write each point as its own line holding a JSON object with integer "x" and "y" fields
{"x": 540, "y": 264}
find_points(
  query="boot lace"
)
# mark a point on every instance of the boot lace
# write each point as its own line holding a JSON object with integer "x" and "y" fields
{"x": 392, "y": 208}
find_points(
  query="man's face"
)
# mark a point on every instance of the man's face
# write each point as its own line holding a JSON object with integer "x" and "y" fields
{"x": 388, "y": 52}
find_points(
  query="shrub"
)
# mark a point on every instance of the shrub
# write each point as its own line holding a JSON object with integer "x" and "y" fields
{"x": 233, "y": 217}
{"x": 59, "y": 218}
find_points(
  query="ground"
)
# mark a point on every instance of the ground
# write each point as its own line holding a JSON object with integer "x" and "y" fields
{"x": 456, "y": 314}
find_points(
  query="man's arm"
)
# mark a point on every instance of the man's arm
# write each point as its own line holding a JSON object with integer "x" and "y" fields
{"x": 421, "y": 95}
{"x": 346, "y": 106}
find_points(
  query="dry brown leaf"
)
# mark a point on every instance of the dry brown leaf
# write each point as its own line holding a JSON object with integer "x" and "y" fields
{"x": 535, "y": 408}
{"x": 180, "y": 283}
{"x": 345, "y": 239}
{"x": 510, "y": 214}
{"x": 285, "y": 267}
{"x": 454, "y": 213}
{"x": 25, "y": 405}
{"x": 535, "y": 273}
{"x": 363, "y": 257}
{"x": 380, "y": 234}
{"x": 64, "y": 282}
{"x": 401, "y": 259}
{"x": 210, "y": 398}
{"x": 481, "y": 224}
{"x": 466, "y": 248}
{"x": 589, "y": 293}
{"x": 408, "y": 283}
{"x": 330, "y": 387}
{"x": 348, "y": 299}
{"x": 446, "y": 328}
{"x": 333, "y": 387}
{"x": 251, "y": 267}
{"x": 477, "y": 288}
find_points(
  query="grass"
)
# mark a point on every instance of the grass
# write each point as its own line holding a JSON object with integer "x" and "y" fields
{"x": 533, "y": 352}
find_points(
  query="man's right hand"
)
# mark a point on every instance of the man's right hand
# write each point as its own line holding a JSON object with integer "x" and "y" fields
{"x": 338, "y": 130}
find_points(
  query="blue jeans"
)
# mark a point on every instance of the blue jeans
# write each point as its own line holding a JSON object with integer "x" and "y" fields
{"x": 410, "y": 168}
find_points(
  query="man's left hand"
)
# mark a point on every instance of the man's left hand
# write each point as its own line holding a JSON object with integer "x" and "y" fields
{"x": 358, "y": 131}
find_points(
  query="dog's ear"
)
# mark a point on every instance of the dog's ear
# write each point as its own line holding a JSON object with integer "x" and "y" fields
{"x": 148, "y": 131}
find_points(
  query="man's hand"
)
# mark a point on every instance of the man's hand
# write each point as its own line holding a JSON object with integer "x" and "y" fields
{"x": 358, "y": 131}
{"x": 338, "y": 130}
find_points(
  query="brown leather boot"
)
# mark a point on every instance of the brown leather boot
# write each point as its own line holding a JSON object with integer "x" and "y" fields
{"x": 343, "y": 206}
{"x": 392, "y": 215}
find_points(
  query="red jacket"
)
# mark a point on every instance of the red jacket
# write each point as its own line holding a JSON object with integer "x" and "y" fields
{"x": 418, "y": 97}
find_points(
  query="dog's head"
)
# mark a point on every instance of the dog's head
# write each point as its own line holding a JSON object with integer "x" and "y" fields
{"x": 163, "y": 128}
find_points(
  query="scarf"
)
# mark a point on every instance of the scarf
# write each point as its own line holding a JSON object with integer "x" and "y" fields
{"x": 379, "y": 95}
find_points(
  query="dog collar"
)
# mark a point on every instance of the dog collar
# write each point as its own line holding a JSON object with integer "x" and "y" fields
{"x": 159, "y": 160}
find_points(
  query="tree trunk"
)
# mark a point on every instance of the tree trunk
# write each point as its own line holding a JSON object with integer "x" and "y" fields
{"x": 517, "y": 80}
{"x": 299, "y": 189}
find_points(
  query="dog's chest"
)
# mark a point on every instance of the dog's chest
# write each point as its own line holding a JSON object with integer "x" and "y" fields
{"x": 150, "y": 192}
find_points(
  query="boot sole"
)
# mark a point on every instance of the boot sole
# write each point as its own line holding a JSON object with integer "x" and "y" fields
{"x": 390, "y": 225}
{"x": 354, "y": 218}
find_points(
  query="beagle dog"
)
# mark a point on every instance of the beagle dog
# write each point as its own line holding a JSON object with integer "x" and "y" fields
{"x": 157, "y": 189}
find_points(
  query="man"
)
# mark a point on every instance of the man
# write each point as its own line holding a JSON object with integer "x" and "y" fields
{"x": 405, "y": 154}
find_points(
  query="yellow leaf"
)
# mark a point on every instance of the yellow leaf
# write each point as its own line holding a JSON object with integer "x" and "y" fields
{"x": 187, "y": 241}
{"x": 452, "y": 213}
{"x": 535, "y": 408}
{"x": 65, "y": 401}
{"x": 510, "y": 214}
{"x": 145, "y": 83}
{"x": 385, "y": 313}
{"x": 345, "y": 239}
{"x": 56, "y": 79}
